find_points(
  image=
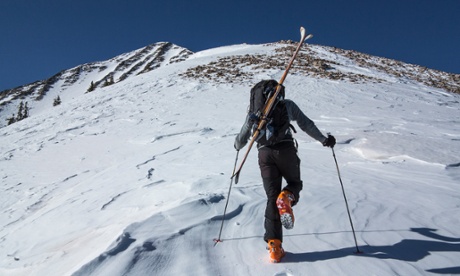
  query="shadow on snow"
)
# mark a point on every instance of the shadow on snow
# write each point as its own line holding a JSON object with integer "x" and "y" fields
{"x": 409, "y": 250}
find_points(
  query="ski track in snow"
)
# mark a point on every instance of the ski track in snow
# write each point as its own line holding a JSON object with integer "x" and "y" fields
{"x": 134, "y": 180}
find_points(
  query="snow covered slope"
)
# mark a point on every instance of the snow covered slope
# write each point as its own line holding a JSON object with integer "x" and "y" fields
{"x": 74, "y": 82}
{"x": 132, "y": 178}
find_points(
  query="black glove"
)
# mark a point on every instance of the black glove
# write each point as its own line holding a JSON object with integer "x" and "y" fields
{"x": 238, "y": 145}
{"x": 329, "y": 142}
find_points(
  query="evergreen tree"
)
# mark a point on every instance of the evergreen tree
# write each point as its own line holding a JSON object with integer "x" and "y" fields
{"x": 91, "y": 87}
{"x": 11, "y": 120}
{"x": 57, "y": 101}
{"x": 20, "y": 115}
{"x": 26, "y": 111}
{"x": 23, "y": 112}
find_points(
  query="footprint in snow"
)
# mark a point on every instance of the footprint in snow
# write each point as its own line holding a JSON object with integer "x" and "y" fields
{"x": 284, "y": 273}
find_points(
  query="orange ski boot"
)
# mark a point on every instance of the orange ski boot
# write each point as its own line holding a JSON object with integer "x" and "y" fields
{"x": 275, "y": 250}
{"x": 284, "y": 203}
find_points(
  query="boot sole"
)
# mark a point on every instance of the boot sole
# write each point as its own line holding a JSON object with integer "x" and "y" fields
{"x": 287, "y": 220}
{"x": 285, "y": 211}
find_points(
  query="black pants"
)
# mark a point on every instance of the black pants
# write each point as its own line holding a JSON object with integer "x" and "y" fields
{"x": 275, "y": 164}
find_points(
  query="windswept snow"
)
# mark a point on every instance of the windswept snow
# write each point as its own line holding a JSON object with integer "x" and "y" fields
{"x": 133, "y": 178}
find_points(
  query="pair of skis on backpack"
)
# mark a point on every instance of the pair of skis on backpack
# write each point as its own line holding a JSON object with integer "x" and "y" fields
{"x": 269, "y": 105}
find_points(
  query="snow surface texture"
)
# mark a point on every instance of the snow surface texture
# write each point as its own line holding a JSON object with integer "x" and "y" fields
{"x": 132, "y": 179}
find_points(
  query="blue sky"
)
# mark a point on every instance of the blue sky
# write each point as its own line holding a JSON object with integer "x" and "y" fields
{"x": 39, "y": 38}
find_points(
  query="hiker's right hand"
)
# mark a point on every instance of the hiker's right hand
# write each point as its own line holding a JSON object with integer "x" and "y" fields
{"x": 330, "y": 141}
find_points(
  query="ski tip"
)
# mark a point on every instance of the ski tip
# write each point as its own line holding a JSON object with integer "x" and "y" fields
{"x": 304, "y": 35}
{"x": 302, "y": 31}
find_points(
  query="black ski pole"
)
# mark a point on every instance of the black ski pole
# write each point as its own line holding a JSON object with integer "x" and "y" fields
{"x": 226, "y": 204}
{"x": 346, "y": 202}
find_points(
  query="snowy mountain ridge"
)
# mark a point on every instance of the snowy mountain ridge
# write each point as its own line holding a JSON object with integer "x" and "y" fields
{"x": 91, "y": 76}
{"x": 323, "y": 62}
{"x": 132, "y": 178}
{"x": 316, "y": 61}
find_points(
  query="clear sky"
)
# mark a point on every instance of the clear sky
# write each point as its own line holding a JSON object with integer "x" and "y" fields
{"x": 39, "y": 38}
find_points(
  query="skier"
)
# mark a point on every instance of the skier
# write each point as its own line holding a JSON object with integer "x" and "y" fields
{"x": 278, "y": 159}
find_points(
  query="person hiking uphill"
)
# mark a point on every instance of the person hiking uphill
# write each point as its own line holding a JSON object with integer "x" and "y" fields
{"x": 277, "y": 153}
